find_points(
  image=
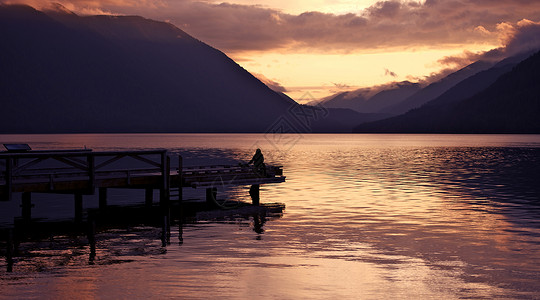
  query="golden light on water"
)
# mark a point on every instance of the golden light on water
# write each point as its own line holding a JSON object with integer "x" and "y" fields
{"x": 369, "y": 216}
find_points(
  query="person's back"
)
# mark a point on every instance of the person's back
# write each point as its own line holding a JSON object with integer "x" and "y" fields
{"x": 258, "y": 162}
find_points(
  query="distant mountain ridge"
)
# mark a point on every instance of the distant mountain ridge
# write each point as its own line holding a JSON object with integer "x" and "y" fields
{"x": 60, "y": 72}
{"x": 509, "y": 104}
{"x": 399, "y": 97}
{"x": 479, "y": 81}
{"x": 373, "y": 99}
{"x": 437, "y": 88}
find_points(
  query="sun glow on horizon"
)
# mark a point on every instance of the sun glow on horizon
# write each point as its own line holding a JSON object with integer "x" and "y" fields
{"x": 300, "y": 6}
{"x": 322, "y": 75}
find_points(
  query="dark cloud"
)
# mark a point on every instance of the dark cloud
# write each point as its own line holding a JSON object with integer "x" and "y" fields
{"x": 386, "y": 24}
{"x": 272, "y": 84}
{"x": 384, "y": 9}
{"x": 369, "y": 92}
{"x": 525, "y": 36}
{"x": 463, "y": 59}
{"x": 424, "y": 81}
{"x": 341, "y": 86}
{"x": 516, "y": 38}
{"x": 389, "y": 73}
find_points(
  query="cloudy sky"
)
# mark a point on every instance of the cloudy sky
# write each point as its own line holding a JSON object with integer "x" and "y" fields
{"x": 324, "y": 46}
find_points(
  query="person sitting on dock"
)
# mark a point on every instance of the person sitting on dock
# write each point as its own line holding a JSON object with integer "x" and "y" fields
{"x": 258, "y": 163}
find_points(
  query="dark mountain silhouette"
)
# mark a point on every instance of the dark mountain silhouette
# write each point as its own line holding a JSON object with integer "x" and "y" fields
{"x": 372, "y": 99}
{"x": 400, "y": 97}
{"x": 436, "y": 89}
{"x": 60, "y": 72}
{"x": 479, "y": 81}
{"x": 511, "y": 104}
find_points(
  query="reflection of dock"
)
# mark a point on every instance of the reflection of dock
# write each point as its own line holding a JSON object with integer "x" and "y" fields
{"x": 27, "y": 240}
{"x": 82, "y": 172}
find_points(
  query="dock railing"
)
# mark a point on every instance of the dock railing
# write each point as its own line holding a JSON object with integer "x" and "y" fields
{"x": 58, "y": 171}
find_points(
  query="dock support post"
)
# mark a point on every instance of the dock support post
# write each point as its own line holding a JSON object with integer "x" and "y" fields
{"x": 91, "y": 162}
{"x": 102, "y": 198}
{"x": 91, "y": 234}
{"x": 9, "y": 251}
{"x": 180, "y": 199}
{"x": 163, "y": 230}
{"x": 181, "y": 231}
{"x": 166, "y": 230}
{"x": 148, "y": 196}
{"x": 9, "y": 178}
{"x": 78, "y": 207}
{"x": 211, "y": 196}
{"x": 26, "y": 206}
{"x": 180, "y": 178}
{"x": 255, "y": 194}
{"x": 165, "y": 174}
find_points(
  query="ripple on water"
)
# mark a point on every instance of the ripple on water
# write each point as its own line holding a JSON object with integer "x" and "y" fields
{"x": 416, "y": 216}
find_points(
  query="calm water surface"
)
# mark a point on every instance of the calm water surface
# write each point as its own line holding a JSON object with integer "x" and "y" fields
{"x": 367, "y": 216}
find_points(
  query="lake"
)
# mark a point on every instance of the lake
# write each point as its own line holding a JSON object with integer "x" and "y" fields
{"x": 366, "y": 217}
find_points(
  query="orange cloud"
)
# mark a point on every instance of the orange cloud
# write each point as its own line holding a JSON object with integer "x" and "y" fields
{"x": 386, "y": 24}
{"x": 515, "y": 38}
{"x": 272, "y": 84}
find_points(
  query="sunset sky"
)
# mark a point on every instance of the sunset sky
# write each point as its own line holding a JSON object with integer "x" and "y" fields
{"x": 325, "y": 46}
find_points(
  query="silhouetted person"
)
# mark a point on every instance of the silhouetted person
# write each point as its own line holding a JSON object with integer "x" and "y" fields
{"x": 258, "y": 162}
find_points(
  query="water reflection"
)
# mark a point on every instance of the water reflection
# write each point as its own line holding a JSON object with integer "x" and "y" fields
{"x": 369, "y": 216}
{"x": 473, "y": 211}
{"x": 121, "y": 234}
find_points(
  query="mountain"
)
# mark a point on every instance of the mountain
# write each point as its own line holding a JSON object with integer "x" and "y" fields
{"x": 436, "y": 89}
{"x": 479, "y": 81}
{"x": 372, "y": 99}
{"x": 511, "y": 104}
{"x": 400, "y": 97}
{"x": 60, "y": 72}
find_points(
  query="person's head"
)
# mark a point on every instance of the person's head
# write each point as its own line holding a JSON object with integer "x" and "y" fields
{"x": 258, "y": 150}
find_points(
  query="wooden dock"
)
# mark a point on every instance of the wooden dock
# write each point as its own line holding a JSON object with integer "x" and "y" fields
{"x": 83, "y": 172}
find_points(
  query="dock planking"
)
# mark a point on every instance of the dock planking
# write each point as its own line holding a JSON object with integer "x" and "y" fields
{"x": 82, "y": 172}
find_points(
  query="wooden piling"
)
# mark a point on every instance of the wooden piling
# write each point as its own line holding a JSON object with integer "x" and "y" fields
{"x": 9, "y": 178}
{"x": 91, "y": 165}
{"x": 180, "y": 185}
{"x": 102, "y": 198}
{"x": 181, "y": 231}
{"x": 165, "y": 231}
{"x": 9, "y": 251}
{"x": 165, "y": 178}
{"x": 168, "y": 223}
{"x": 91, "y": 234}
{"x": 78, "y": 207}
{"x": 254, "y": 192}
{"x": 211, "y": 197}
{"x": 26, "y": 206}
{"x": 180, "y": 178}
{"x": 149, "y": 197}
